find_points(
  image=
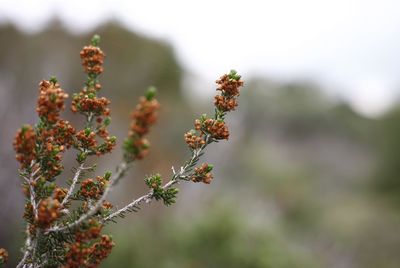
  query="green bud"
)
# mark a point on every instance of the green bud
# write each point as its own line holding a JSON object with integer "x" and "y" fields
{"x": 151, "y": 93}
{"x": 51, "y": 186}
{"x": 107, "y": 175}
{"x": 81, "y": 157}
{"x": 234, "y": 75}
{"x": 210, "y": 167}
{"x": 91, "y": 96}
{"x": 113, "y": 139}
{"x": 107, "y": 121}
{"x": 56, "y": 150}
{"x": 90, "y": 83}
{"x": 203, "y": 117}
{"x": 95, "y": 40}
{"x": 87, "y": 131}
{"x": 53, "y": 80}
{"x": 24, "y": 128}
{"x": 146, "y": 145}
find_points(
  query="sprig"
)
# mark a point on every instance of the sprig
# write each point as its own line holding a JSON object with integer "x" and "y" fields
{"x": 64, "y": 225}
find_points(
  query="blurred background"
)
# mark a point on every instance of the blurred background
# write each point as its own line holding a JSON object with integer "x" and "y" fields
{"x": 310, "y": 175}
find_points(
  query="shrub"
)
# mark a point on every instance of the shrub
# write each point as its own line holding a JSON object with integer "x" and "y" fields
{"x": 64, "y": 225}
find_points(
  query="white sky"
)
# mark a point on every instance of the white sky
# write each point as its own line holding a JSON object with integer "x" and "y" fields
{"x": 348, "y": 46}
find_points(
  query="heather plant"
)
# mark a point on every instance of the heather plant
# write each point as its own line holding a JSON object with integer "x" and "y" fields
{"x": 64, "y": 225}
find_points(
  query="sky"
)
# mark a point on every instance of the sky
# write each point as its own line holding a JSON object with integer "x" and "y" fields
{"x": 349, "y": 47}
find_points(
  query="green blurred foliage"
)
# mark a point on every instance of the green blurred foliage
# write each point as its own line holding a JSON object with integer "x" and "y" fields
{"x": 387, "y": 177}
{"x": 220, "y": 238}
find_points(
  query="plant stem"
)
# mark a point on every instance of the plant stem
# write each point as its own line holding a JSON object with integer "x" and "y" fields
{"x": 121, "y": 170}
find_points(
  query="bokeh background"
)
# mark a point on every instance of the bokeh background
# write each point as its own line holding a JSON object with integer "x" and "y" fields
{"x": 310, "y": 175}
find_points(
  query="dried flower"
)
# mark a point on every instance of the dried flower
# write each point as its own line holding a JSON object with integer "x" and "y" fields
{"x": 86, "y": 139}
{"x": 59, "y": 194}
{"x": 88, "y": 231}
{"x": 50, "y": 101}
{"x": 101, "y": 250}
{"x": 77, "y": 255}
{"x": 92, "y": 59}
{"x": 194, "y": 141}
{"x": 48, "y": 212}
{"x": 89, "y": 103}
{"x": 143, "y": 117}
{"x": 93, "y": 188}
{"x": 216, "y": 128}
{"x": 3, "y": 256}
{"x": 229, "y": 84}
{"x": 224, "y": 103}
{"x": 24, "y": 145}
{"x": 28, "y": 213}
{"x": 107, "y": 205}
{"x": 203, "y": 174}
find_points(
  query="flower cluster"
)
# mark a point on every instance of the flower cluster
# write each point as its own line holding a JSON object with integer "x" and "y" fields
{"x": 59, "y": 193}
{"x": 207, "y": 130}
{"x": 85, "y": 102}
{"x": 217, "y": 129}
{"x": 143, "y": 117}
{"x": 24, "y": 145}
{"x": 194, "y": 141}
{"x": 214, "y": 128}
{"x": 88, "y": 248}
{"x": 3, "y": 256}
{"x": 89, "y": 104}
{"x": 51, "y": 100}
{"x": 86, "y": 139}
{"x": 92, "y": 59}
{"x": 93, "y": 188}
{"x": 52, "y": 140}
{"x": 229, "y": 85}
{"x": 88, "y": 231}
{"x": 203, "y": 174}
{"x": 48, "y": 212}
{"x": 101, "y": 250}
{"x": 45, "y": 142}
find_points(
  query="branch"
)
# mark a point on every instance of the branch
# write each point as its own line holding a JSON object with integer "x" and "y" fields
{"x": 176, "y": 178}
{"x": 121, "y": 169}
{"x": 28, "y": 241}
{"x": 135, "y": 203}
{"x": 27, "y": 251}
{"x": 74, "y": 182}
{"x": 32, "y": 194}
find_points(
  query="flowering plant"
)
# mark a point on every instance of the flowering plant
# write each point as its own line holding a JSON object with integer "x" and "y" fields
{"x": 64, "y": 225}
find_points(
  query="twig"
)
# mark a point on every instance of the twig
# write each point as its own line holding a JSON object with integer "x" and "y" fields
{"x": 176, "y": 178}
{"x": 28, "y": 241}
{"x": 27, "y": 251}
{"x": 72, "y": 187}
{"x": 122, "y": 168}
{"x": 146, "y": 198}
